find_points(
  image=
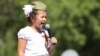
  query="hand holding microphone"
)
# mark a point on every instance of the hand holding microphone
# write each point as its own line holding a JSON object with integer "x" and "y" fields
{"x": 51, "y": 36}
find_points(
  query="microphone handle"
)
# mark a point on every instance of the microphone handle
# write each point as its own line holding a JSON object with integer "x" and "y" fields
{"x": 50, "y": 33}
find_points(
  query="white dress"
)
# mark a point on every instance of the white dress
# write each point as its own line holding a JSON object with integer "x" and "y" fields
{"x": 35, "y": 42}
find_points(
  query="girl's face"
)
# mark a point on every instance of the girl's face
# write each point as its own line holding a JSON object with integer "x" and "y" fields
{"x": 40, "y": 19}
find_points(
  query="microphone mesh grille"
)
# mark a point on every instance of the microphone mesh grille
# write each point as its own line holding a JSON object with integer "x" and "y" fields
{"x": 47, "y": 26}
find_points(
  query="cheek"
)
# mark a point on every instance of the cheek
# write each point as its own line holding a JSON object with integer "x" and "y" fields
{"x": 38, "y": 21}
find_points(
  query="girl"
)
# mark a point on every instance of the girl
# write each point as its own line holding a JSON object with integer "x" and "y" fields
{"x": 33, "y": 39}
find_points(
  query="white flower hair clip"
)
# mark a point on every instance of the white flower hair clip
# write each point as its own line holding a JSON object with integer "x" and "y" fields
{"x": 27, "y": 10}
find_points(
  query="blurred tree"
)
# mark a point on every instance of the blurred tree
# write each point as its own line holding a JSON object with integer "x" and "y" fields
{"x": 75, "y": 23}
{"x": 10, "y": 19}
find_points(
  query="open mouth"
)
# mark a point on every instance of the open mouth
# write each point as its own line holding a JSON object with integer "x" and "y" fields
{"x": 43, "y": 23}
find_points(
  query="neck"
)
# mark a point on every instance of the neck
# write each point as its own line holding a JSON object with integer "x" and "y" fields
{"x": 36, "y": 29}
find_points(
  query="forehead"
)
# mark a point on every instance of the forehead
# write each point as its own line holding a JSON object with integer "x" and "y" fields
{"x": 41, "y": 12}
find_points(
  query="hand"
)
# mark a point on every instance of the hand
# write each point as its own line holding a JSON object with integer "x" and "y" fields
{"x": 54, "y": 40}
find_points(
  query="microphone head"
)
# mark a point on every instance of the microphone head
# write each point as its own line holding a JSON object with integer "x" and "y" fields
{"x": 47, "y": 26}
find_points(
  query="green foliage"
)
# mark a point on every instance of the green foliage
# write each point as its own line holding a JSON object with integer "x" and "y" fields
{"x": 75, "y": 23}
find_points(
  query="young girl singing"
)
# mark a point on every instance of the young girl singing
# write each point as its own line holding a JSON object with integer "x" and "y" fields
{"x": 33, "y": 39}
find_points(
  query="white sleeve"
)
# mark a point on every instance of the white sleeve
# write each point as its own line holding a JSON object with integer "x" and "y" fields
{"x": 22, "y": 34}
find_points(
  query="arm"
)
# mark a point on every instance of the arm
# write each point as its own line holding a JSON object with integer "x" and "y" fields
{"x": 21, "y": 46}
{"x": 52, "y": 44}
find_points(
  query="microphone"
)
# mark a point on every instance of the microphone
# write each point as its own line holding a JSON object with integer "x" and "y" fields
{"x": 47, "y": 27}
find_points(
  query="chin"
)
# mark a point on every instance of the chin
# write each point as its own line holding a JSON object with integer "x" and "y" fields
{"x": 41, "y": 27}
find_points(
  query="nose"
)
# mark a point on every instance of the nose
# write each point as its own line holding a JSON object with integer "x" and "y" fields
{"x": 44, "y": 19}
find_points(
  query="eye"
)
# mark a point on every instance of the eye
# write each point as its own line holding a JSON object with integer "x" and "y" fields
{"x": 43, "y": 16}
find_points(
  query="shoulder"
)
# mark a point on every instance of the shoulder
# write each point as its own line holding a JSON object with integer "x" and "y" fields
{"x": 23, "y": 32}
{"x": 25, "y": 29}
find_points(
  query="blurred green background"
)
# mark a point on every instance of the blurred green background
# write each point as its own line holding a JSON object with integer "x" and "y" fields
{"x": 75, "y": 23}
